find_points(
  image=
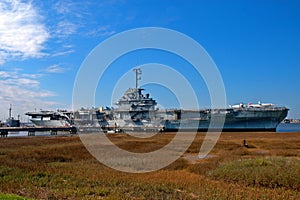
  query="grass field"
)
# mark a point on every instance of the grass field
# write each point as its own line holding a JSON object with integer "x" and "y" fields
{"x": 60, "y": 167}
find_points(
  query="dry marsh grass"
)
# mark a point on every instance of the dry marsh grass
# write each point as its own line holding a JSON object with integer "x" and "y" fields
{"x": 270, "y": 172}
{"x": 61, "y": 168}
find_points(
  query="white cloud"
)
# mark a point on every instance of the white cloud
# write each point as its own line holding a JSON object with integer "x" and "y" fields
{"x": 102, "y": 31}
{"x": 71, "y": 16}
{"x": 32, "y": 76}
{"x": 4, "y": 74}
{"x": 71, "y": 8}
{"x": 65, "y": 28}
{"x": 23, "y": 82}
{"x": 21, "y": 32}
{"x": 24, "y": 92}
{"x": 62, "y": 53}
{"x": 64, "y": 6}
{"x": 55, "y": 69}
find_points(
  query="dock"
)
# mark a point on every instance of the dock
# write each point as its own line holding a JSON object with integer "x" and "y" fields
{"x": 31, "y": 130}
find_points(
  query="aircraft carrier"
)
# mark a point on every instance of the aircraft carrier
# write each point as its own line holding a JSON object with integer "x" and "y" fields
{"x": 138, "y": 112}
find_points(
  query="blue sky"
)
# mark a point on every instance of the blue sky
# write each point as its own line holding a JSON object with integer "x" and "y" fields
{"x": 255, "y": 45}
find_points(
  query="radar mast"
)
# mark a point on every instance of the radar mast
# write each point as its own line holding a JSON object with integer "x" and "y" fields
{"x": 138, "y": 72}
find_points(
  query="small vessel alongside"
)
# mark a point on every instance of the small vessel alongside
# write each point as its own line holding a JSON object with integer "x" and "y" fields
{"x": 11, "y": 121}
{"x": 59, "y": 118}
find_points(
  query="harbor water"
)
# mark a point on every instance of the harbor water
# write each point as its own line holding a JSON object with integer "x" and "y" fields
{"x": 288, "y": 127}
{"x": 37, "y": 133}
{"x": 283, "y": 127}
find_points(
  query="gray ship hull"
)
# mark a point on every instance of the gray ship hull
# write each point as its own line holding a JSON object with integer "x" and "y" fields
{"x": 243, "y": 119}
{"x": 235, "y": 120}
{"x": 189, "y": 125}
{"x": 50, "y": 123}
